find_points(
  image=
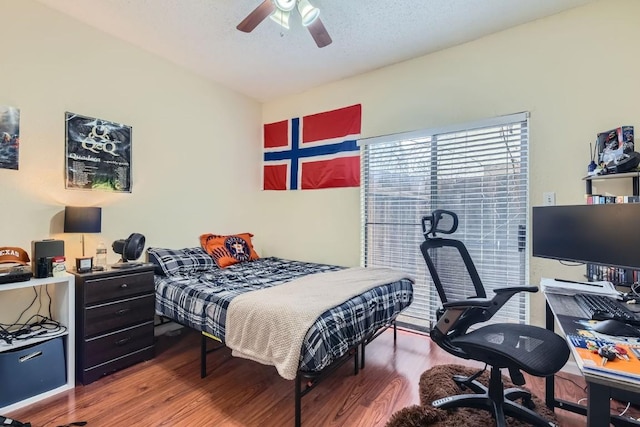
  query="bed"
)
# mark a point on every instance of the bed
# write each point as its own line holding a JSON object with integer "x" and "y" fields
{"x": 193, "y": 291}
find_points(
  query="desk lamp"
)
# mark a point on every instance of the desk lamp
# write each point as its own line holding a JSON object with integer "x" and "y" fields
{"x": 83, "y": 220}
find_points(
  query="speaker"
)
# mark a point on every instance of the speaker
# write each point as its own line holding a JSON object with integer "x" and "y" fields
{"x": 45, "y": 249}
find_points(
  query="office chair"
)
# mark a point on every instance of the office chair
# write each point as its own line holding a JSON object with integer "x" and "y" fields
{"x": 511, "y": 346}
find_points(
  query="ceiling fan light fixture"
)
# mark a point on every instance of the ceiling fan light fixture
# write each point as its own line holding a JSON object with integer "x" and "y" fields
{"x": 279, "y": 11}
{"x": 281, "y": 17}
{"x": 285, "y": 5}
{"x": 308, "y": 12}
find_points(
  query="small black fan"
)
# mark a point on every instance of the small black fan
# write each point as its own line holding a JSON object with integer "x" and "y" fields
{"x": 129, "y": 249}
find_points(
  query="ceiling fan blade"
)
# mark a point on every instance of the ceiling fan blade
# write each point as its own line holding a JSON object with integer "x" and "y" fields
{"x": 319, "y": 33}
{"x": 258, "y": 15}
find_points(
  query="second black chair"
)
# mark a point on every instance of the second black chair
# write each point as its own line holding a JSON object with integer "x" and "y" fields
{"x": 515, "y": 347}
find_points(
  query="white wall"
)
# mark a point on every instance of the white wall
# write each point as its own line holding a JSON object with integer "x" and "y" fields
{"x": 196, "y": 145}
{"x": 194, "y": 167}
{"x": 576, "y": 72}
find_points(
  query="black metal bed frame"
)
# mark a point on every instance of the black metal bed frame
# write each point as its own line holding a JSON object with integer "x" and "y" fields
{"x": 306, "y": 381}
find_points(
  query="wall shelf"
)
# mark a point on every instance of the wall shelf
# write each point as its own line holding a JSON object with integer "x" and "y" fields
{"x": 633, "y": 175}
{"x": 620, "y": 276}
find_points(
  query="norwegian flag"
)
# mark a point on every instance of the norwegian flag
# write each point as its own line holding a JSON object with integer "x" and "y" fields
{"x": 316, "y": 151}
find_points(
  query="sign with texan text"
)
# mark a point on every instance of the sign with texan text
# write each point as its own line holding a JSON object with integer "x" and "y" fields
{"x": 313, "y": 152}
{"x": 98, "y": 154}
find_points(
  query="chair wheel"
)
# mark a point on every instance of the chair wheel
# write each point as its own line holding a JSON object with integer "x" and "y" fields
{"x": 528, "y": 403}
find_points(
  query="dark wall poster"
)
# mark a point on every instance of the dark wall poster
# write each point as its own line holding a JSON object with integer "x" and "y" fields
{"x": 9, "y": 137}
{"x": 98, "y": 154}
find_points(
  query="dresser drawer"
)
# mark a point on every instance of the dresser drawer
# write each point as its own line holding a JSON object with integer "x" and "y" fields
{"x": 112, "y": 288}
{"x": 90, "y": 374}
{"x": 108, "y": 317}
{"x": 103, "y": 348}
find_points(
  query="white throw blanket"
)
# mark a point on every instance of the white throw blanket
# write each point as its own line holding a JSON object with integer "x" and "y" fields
{"x": 269, "y": 325}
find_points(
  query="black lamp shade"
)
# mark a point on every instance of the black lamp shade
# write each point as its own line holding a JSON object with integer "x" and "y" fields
{"x": 82, "y": 219}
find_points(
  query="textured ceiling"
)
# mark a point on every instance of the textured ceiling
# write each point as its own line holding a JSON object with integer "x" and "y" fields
{"x": 271, "y": 62}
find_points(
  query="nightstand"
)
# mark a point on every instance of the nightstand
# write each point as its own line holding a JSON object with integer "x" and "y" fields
{"x": 114, "y": 320}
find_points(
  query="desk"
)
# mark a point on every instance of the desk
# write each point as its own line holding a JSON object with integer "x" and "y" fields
{"x": 601, "y": 386}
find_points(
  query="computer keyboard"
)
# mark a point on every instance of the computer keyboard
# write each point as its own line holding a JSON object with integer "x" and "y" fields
{"x": 600, "y": 307}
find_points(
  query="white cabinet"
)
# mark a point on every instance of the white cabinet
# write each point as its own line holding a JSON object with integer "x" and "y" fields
{"x": 62, "y": 296}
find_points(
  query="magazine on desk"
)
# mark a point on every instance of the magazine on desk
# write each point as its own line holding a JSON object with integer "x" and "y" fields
{"x": 571, "y": 287}
{"x": 586, "y": 342}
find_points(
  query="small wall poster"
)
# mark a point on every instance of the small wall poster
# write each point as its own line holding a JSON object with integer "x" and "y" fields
{"x": 98, "y": 154}
{"x": 9, "y": 137}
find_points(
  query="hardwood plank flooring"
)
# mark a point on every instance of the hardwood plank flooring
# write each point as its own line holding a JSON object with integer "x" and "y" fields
{"x": 168, "y": 390}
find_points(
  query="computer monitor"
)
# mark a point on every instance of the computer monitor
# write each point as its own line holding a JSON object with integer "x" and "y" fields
{"x": 606, "y": 234}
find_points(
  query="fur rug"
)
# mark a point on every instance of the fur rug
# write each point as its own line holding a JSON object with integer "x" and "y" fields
{"x": 436, "y": 383}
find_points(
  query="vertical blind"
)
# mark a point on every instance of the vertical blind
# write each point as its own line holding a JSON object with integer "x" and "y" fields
{"x": 478, "y": 170}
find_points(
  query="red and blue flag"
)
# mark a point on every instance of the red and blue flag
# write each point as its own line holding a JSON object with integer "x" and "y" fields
{"x": 316, "y": 151}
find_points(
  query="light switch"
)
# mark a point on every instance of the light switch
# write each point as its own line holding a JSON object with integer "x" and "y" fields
{"x": 548, "y": 198}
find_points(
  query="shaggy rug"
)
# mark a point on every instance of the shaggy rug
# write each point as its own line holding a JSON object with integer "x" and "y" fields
{"x": 437, "y": 382}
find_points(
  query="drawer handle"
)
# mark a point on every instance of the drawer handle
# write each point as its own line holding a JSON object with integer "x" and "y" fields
{"x": 123, "y": 341}
{"x": 124, "y": 286}
{"x": 123, "y": 311}
{"x": 28, "y": 357}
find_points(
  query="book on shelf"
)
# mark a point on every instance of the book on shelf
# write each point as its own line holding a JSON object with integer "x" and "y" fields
{"x": 598, "y": 199}
{"x": 615, "y": 275}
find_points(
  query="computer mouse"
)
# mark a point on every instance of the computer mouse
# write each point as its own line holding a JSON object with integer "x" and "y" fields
{"x": 616, "y": 328}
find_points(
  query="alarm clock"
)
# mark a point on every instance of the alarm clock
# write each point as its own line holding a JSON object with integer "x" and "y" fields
{"x": 84, "y": 264}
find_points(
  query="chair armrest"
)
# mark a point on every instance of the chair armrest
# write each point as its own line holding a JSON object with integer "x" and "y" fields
{"x": 516, "y": 289}
{"x": 502, "y": 295}
{"x": 468, "y": 303}
{"x": 486, "y": 307}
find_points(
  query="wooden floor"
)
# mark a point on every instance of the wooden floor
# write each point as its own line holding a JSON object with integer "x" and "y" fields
{"x": 168, "y": 390}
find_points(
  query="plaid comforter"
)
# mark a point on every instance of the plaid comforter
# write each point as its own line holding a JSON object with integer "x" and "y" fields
{"x": 201, "y": 301}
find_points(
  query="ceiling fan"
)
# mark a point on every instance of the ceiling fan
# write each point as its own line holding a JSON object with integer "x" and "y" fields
{"x": 280, "y": 10}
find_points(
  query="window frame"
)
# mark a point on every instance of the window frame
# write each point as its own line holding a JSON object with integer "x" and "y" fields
{"x": 434, "y": 134}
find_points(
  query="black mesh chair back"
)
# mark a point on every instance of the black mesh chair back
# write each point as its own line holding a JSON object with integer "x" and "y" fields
{"x": 448, "y": 260}
{"x": 465, "y": 306}
{"x": 452, "y": 270}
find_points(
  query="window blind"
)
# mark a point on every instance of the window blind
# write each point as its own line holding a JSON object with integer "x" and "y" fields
{"x": 478, "y": 170}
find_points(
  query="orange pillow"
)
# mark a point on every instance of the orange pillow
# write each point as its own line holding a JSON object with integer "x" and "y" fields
{"x": 229, "y": 250}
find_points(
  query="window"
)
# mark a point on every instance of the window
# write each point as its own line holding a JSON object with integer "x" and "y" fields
{"x": 479, "y": 171}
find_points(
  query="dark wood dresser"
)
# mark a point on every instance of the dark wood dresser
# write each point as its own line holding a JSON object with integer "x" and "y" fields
{"x": 114, "y": 320}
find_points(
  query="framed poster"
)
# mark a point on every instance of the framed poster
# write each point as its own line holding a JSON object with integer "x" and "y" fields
{"x": 98, "y": 154}
{"x": 9, "y": 137}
